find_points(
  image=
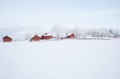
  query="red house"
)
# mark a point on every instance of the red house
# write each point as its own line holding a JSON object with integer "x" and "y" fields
{"x": 46, "y": 36}
{"x": 35, "y": 38}
{"x": 71, "y": 36}
{"x": 7, "y": 39}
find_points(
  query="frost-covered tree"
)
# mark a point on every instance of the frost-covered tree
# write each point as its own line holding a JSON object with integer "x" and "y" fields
{"x": 116, "y": 33}
{"x": 59, "y": 30}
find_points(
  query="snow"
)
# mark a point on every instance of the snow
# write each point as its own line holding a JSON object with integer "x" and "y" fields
{"x": 63, "y": 59}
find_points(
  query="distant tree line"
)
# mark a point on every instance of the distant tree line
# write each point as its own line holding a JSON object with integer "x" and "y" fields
{"x": 60, "y": 31}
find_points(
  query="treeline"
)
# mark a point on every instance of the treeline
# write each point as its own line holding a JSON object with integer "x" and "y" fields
{"x": 61, "y": 31}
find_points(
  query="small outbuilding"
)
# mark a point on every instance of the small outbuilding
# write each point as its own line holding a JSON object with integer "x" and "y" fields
{"x": 46, "y": 36}
{"x": 71, "y": 36}
{"x": 35, "y": 38}
{"x": 7, "y": 39}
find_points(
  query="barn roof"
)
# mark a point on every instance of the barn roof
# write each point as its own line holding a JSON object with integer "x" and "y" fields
{"x": 7, "y": 37}
{"x": 46, "y": 34}
{"x": 68, "y": 34}
{"x": 35, "y": 36}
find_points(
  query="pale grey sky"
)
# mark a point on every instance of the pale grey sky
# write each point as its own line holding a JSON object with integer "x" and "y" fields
{"x": 46, "y": 13}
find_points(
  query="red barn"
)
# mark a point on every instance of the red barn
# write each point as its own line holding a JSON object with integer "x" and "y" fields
{"x": 7, "y": 39}
{"x": 46, "y": 36}
{"x": 71, "y": 36}
{"x": 35, "y": 38}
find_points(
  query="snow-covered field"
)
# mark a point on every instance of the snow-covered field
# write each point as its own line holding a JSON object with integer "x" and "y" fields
{"x": 65, "y": 59}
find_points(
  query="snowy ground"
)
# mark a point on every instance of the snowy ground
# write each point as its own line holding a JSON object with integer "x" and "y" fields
{"x": 65, "y": 59}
